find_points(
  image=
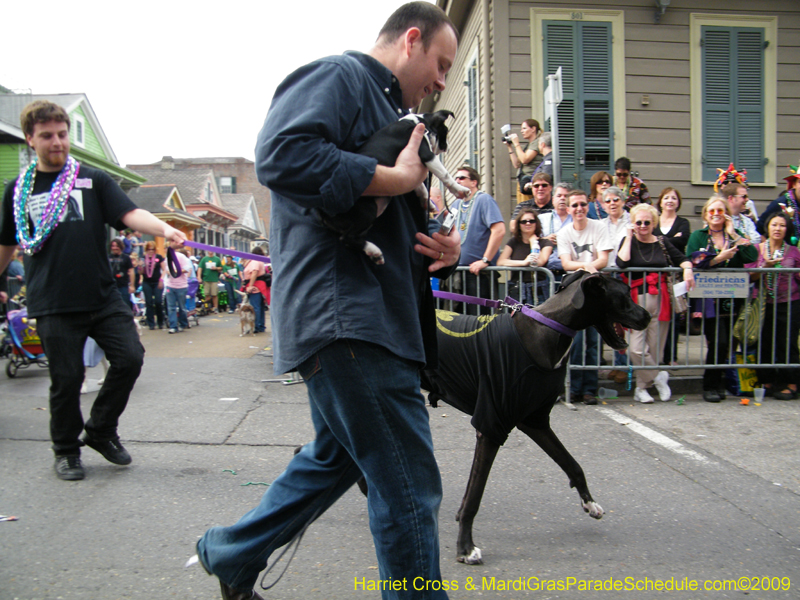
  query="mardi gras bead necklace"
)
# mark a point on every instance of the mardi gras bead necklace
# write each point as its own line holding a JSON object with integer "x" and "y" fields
{"x": 53, "y": 210}
{"x": 149, "y": 265}
{"x": 772, "y": 276}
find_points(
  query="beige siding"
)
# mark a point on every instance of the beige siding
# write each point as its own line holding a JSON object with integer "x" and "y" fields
{"x": 656, "y": 66}
{"x": 454, "y": 97}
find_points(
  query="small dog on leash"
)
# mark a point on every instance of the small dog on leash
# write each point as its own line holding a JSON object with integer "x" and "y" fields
{"x": 386, "y": 145}
{"x": 247, "y": 316}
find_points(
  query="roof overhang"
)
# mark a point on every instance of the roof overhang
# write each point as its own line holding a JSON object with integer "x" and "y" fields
{"x": 213, "y": 214}
{"x": 180, "y": 220}
{"x": 128, "y": 179}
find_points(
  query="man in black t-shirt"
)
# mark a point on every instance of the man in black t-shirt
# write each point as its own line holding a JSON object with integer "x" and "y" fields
{"x": 71, "y": 291}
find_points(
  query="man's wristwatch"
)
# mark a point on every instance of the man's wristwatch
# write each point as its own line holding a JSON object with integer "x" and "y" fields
{"x": 486, "y": 260}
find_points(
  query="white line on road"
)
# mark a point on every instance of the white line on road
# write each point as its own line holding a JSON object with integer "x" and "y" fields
{"x": 653, "y": 436}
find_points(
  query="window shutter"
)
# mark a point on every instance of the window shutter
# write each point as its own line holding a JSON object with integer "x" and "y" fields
{"x": 559, "y": 51}
{"x": 472, "y": 114}
{"x": 596, "y": 86}
{"x": 733, "y": 100}
{"x": 749, "y": 52}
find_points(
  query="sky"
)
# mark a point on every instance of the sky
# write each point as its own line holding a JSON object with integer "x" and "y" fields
{"x": 177, "y": 78}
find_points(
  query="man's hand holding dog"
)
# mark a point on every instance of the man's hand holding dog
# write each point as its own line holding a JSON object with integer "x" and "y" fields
{"x": 445, "y": 250}
{"x": 406, "y": 174}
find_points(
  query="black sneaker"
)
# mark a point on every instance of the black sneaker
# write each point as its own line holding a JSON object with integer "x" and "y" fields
{"x": 711, "y": 396}
{"x": 69, "y": 468}
{"x": 111, "y": 450}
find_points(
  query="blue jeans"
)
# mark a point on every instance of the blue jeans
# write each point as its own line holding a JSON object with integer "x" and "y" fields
{"x": 154, "y": 304}
{"x": 176, "y": 308}
{"x": 257, "y": 302}
{"x": 233, "y": 298}
{"x": 369, "y": 417}
{"x": 63, "y": 338}
{"x": 584, "y": 382}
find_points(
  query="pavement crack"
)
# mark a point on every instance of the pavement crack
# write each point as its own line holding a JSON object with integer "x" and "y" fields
{"x": 257, "y": 403}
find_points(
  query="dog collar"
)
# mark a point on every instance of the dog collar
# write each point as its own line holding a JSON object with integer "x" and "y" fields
{"x": 537, "y": 316}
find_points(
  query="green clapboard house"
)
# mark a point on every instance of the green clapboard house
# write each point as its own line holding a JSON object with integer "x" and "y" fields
{"x": 88, "y": 142}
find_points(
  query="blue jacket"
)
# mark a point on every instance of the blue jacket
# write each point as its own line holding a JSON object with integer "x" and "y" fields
{"x": 321, "y": 290}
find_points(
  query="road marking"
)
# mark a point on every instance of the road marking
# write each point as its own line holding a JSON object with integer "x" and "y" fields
{"x": 653, "y": 436}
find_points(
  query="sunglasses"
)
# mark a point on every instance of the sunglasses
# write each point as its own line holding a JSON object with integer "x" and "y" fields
{"x": 622, "y": 174}
{"x": 461, "y": 178}
{"x": 741, "y": 196}
{"x": 643, "y": 223}
{"x": 610, "y": 200}
{"x": 540, "y": 185}
{"x": 604, "y": 181}
{"x": 528, "y": 221}
{"x": 581, "y": 204}
{"x": 716, "y": 211}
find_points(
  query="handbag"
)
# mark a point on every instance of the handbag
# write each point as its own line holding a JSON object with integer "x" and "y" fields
{"x": 679, "y": 303}
{"x": 747, "y": 328}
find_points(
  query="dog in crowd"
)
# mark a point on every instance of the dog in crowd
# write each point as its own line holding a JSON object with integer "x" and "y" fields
{"x": 247, "y": 316}
{"x": 386, "y": 145}
{"x": 508, "y": 370}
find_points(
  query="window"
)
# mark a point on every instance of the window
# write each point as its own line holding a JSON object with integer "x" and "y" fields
{"x": 79, "y": 127}
{"x": 473, "y": 121}
{"x": 227, "y": 185}
{"x": 583, "y": 51}
{"x": 733, "y": 83}
{"x": 589, "y": 46}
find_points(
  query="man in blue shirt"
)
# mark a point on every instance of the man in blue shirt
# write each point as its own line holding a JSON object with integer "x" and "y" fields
{"x": 357, "y": 332}
{"x": 481, "y": 226}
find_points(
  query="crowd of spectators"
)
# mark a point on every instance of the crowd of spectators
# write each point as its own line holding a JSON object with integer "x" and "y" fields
{"x": 617, "y": 225}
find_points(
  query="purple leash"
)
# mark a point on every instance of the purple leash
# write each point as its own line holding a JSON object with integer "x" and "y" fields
{"x": 510, "y": 303}
{"x": 537, "y": 316}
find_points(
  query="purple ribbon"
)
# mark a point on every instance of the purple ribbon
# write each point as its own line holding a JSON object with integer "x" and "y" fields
{"x": 174, "y": 266}
{"x": 226, "y": 252}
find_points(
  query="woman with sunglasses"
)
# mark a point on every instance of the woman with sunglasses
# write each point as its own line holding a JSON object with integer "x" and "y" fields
{"x": 677, "y": 230}
{"x": 598, "y": 184}
{"x": 641, "y": 248}
{"x": 525, "y": 158}
{"x": 782, "y": 312}
{"x": 527, "y": 248}
{"x": 718, "y": 245}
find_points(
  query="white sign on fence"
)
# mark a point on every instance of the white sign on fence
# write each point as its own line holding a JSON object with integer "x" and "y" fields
{"x": 720, "y": 285}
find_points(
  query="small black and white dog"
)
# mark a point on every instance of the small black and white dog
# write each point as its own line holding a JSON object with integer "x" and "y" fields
{"x": 385, "y": 145}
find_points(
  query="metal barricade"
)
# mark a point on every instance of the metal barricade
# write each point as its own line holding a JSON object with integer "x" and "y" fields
{"x": 697, "y": 334}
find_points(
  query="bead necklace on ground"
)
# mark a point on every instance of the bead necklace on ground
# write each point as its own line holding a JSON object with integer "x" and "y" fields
{"x": 53, "y": 210}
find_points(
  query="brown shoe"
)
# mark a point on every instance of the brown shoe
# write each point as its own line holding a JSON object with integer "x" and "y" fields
{"x": 228, "y": 593}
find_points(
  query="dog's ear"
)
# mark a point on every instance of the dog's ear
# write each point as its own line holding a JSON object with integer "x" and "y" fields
{"x": 588, "y": 287}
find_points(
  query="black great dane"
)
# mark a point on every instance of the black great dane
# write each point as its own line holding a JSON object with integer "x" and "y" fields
{"x": 507, "y": 371}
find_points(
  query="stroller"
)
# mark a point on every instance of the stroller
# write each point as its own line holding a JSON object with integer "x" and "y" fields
{"x": 192, "y": 313}
{"x": 21, "y": 343}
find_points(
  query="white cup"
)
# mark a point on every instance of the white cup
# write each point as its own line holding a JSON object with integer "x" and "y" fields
{"x": 758, "y": 394}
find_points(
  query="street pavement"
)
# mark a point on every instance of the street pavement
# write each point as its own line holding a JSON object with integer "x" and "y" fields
{"x": 693, "y": 492}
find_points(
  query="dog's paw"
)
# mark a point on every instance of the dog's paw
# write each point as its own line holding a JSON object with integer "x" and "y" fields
{"x": 374, "y": 253}
{"x": 473, "y": 558}
{"x": 593, "y": 508}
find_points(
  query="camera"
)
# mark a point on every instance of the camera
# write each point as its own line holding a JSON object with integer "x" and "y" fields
{"x": 505, "y": 129}
{"x": 446, "y": 222}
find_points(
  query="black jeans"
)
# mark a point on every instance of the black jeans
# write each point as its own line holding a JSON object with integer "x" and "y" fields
{"x": 774, "y": 347}
{"x": 480, "y": 286}
{"x": 63, "y": 337}
{"x": 154, "y": 304}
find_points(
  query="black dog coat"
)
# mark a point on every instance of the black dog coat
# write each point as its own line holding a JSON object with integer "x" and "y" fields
{"x": 484, "y": 368}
